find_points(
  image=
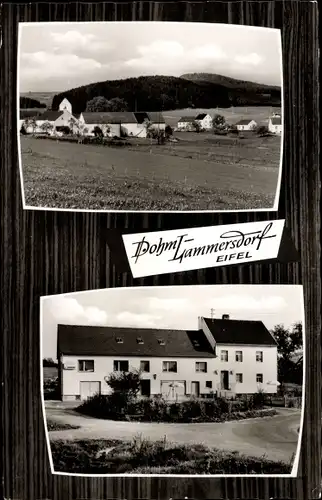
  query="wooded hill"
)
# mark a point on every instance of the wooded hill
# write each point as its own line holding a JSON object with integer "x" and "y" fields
{"x": 154, "y": 93}
{"x": 28, "y": 103}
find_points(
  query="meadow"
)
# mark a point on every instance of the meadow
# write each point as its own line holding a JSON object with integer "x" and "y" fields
{"x": 199, "y": 172}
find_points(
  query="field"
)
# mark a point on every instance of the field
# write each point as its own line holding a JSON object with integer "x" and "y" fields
{"x": 199, "y": 172}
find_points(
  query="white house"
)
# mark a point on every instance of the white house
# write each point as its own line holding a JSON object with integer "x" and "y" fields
{"x": 223, "y": 356}
{"x": 275, "y": 124}
{"x": 186, "y": 123}
{"x": 60, "y": 118}
{"x": 204, "y": 120}
{"x": 246, "y": 124}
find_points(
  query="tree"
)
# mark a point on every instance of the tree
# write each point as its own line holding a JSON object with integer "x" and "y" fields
{"x": 97, "y": 104}
{"x": 262, "y": 130}
{"x": 218, "y": 123}
{"x": 196, "y": 125}
{"x": 288, "y": 342}
{"x": 125, "y": 387}
{"x": 98, "y": 132}
{"x": 30, "y": 123}
{"x": 106, "y": 129}
{"x": 117, "y": 104}
{"x": 168, "y": 131}
{"x": 47, "y": 127}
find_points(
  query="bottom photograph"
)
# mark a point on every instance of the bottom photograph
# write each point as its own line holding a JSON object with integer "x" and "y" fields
{"x": 176, "y": 381}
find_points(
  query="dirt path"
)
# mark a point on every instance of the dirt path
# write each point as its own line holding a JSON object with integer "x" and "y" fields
{"x": 276, "y": 437}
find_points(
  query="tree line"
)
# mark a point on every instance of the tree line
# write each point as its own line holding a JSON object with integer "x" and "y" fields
{"x": 161, "y": 93}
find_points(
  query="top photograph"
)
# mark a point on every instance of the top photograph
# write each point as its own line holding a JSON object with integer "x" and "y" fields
{"x": 149, "y": 117}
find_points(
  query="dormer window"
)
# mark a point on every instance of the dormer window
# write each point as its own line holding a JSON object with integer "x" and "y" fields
{"x": 140, "y": 340}
{"x": 119, "y": 340}
{"x": 161, "y": 342}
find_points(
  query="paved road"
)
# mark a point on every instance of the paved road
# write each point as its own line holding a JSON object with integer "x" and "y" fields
{"x": 276, "y": 437}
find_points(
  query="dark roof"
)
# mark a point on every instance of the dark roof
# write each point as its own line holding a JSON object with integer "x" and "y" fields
{"x": 109, "y": 117}
{"x": 232, "y": 331}
{"x": 156, "y": 116}
{"x": 30, "y": 113}
{"x": 201, "y": 116}
{"x": 276, "y": 120}
{"x": 244, "y": 121}
{"x": 50, "y": 115}
{"x": 101, "y": 340}
{"x": 187, "y": 119}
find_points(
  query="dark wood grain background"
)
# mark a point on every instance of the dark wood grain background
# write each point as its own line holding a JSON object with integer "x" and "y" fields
{"x": 48, "y": 253}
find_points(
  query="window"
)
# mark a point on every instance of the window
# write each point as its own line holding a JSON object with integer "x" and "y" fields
{"x": 259, "y": 356}
{"x": 239, "y": 356}
{"x": 201, "y": 367}
{"x": 169, "y": 366}
{"x": 85, "y": 365}
{"x": 239, "y": 378}
{"x": 259, "y": 378}
{"x": 145, "y": 366}
{"x": 119, "y": 340}
{"x": 224, "y": 355}
{"x": 161, "y": 342}
{"x": 140, "y": 340}
{"x": 121, "y": 366}
{"x": 209, "y": 384}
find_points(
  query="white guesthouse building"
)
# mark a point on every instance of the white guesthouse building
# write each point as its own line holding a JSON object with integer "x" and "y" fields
{"x": 275, "y": 124}
{"x": 246, "y": 124}
{"x": 224, "y": 356}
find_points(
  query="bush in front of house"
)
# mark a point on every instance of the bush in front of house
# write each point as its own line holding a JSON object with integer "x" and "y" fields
{"x": 51, "y": 389}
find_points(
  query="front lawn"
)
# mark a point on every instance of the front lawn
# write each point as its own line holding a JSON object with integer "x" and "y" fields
{"x": 141, "y": 456}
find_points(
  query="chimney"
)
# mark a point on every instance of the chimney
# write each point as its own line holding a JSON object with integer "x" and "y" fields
{"x": 225, "y": 316}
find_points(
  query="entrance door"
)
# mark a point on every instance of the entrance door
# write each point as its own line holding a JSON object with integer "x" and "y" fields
{"x": 225, "y": 380}
{"x": 195, "y": 389}
{"x": 88, "y": 389}
{"x": 145, "y": 387}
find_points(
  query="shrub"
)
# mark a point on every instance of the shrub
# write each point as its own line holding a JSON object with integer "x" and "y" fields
{"x": 51, "y": 389}
{"x": 258, "y": 400}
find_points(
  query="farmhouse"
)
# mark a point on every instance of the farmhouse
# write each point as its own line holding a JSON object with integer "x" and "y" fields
{"x": 275, "y": 124}
{"x": 204, "y": 120}
{"x": 186, "y": 123}
{"x": 106, "y": 123}
{"x": 223, "y": 356}
{"x": 246, "y": 124}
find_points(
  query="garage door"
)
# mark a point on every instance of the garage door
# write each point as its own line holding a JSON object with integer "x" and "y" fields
{"x": 88, "y": 389}
{"x": 173, "y": 389}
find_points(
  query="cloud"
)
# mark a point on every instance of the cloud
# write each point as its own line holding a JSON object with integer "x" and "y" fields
{"x": 172, "y": 305}
{"x": 252, "y": 59}
{"x": 39, "y": 64}
{"x": 208, "y": 52}
{"x": 73, "y": 41}
{"x": 70, "y": 311}
{"x": 247, "y": 303}
{"x": 132, "y": 320}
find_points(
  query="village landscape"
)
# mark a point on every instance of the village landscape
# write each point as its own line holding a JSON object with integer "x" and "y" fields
{"x": 221, "y": 397}
{"x": 144, "y": 134}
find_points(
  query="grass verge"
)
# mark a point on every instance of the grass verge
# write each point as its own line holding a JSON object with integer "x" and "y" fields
{"x": 141, "y": 456}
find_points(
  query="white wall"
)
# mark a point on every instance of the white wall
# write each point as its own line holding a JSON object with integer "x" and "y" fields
{"x": 249, "y": 126}
{"x": 114, "y": 129}
{"x": 206, "y": 122}
{"x": 275, "y": 129}
{"x": 65, "y": 104}
{"x": 185, "y": 126}
{"x": 103, "y": 366}
{"x": 134, "y": 129}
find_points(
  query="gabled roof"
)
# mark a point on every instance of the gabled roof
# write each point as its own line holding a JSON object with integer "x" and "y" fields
{"x": 232, "y": 331}
{"x": 50, "y": 116}
{"x": 152, "y": 116}
{"x": 276, "y": 120}
{"x": 109, "y": 117}
{"x": 101, "y": 341}
{"x": 201, "y": 116}
{"x": 245, "y": 121}
{"x": 187, "y": 119}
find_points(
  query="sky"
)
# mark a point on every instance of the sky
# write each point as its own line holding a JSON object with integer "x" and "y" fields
{"x": 54, "y": 57}
{"x": 176, "y": 307}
